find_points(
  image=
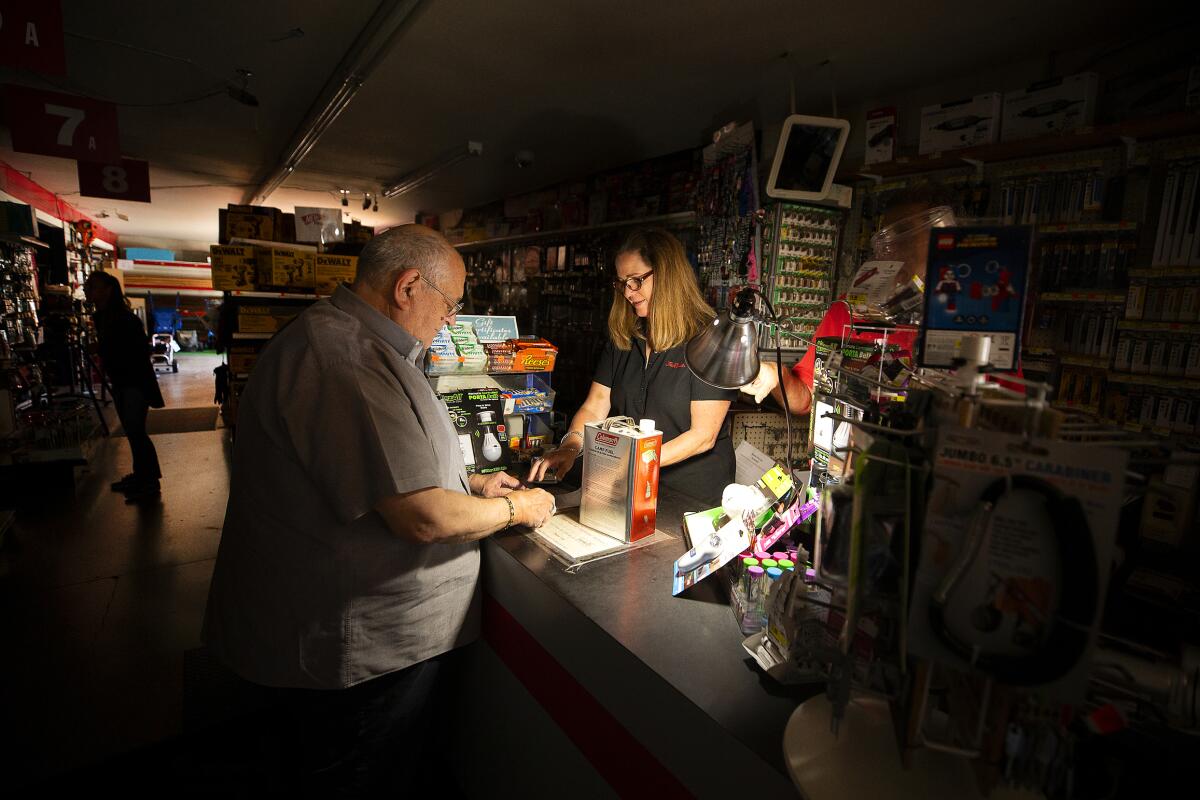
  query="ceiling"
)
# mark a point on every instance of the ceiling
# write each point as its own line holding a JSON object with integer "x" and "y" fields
{"x": 583, "y": 85}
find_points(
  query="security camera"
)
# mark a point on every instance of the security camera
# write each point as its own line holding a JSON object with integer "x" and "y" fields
{"x": 524, "y": 158}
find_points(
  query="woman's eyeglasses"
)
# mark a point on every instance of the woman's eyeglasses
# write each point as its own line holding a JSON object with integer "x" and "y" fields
{"x": 633, "y": 282}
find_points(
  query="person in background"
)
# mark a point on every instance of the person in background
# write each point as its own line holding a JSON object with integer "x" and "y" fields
{"x": 124, "y": 350}
{"x": 657, "y": 308}
{"x": 349, "y": 560}
{"x": 906, "y": 226}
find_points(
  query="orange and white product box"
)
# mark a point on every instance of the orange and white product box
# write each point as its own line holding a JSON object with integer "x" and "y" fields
{"x": 620, "y": 477}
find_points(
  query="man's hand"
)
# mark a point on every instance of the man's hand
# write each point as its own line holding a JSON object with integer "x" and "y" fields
{"x": 761, "y": 386}
{"x": 496, "y": 484}
{"x": 533, "y": 507}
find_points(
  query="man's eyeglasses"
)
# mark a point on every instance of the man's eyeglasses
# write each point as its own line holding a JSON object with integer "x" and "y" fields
{"x": 452, "y": 308}
{"x": 633, "y": 282}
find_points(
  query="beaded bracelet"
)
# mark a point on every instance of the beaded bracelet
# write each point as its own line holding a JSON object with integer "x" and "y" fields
{"x": 512, "y": 512}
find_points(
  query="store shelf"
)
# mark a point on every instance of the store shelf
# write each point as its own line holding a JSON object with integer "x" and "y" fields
{"x": 1099, "y": 362}
{"x": 680, "y": 218}
{"x": 1158, "y": 327}
{"x": 17, "y": 238}
{"x": 1087, "y": 227}
{"x": 1160, "y": 127}
{"x": 272, "y": 295}
{"x": 1155, "y": 381}
{"x": 1111, "y": 298}
{"x": 238, "y": 336}
{"x": 1166, "y": 272}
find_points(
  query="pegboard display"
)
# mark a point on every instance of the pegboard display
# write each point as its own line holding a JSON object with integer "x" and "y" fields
{"x": 800, "y": 246}
{"x": 767, "y": 430}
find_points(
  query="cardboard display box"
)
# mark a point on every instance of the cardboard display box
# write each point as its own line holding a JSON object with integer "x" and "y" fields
{"x": 1053, "y": 106}
{"x": 248, "y": 222}
{"x": 960, "y": 123}
{"x": 478, "y": 418}
{"x": 533, "y": 355}
{"x": 333, "y": 270}
{"x": 234, "y": 267}
{"x": 283, "y": 267}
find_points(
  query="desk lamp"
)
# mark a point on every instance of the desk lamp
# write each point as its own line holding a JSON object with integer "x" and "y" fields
{"x": 725, "y": 353}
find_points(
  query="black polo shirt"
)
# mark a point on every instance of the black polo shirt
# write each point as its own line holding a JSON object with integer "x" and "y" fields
{"x": 663, "y": 390}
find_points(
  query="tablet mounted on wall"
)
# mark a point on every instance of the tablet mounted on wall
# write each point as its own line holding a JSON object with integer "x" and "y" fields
{"x": 808, "y": 154}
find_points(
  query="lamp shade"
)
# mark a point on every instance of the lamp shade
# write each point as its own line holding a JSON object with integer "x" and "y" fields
{"x": 725, "y": 353}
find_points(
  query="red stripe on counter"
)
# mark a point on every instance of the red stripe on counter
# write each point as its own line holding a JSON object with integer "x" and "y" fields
{"x": 624, "y": 763}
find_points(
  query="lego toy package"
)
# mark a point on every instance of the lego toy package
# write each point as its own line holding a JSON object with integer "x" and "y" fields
{"x": 975, "y": 286}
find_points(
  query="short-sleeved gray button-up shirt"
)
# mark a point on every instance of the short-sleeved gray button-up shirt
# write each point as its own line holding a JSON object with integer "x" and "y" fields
{"x": 310, "y": 588}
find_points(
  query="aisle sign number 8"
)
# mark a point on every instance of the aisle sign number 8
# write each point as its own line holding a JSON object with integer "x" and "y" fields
{"x": 128, "y": 180}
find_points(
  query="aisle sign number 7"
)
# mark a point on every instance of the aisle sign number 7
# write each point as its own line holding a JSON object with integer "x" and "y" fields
{"x": 64, "y": 125}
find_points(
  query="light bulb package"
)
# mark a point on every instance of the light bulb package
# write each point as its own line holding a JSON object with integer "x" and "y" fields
{"x": 478, "y": 419}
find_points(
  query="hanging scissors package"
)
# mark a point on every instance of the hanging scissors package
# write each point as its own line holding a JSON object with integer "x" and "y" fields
{"x": 1015, "y": 555}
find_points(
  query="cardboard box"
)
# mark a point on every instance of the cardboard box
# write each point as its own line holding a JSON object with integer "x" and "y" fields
{"x": 248, "y": 222}
{"x": 881, "y": 136}
{"x": 358, "y": 234}
{"x": 266, "y": 318}
{"x": 478, "y": 418}
{"x": 620, "y": 478}
{"x": 334, "y": 270}
{"x": 242, "y": 357}
{"x": 291, "y": 268}
{"x": 1053, "y": 106}
{"x": 234, "y": 267}
{"x": 960, "y": 123}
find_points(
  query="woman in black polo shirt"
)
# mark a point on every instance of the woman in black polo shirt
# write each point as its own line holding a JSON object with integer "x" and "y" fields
{"x": 657, "y": 308}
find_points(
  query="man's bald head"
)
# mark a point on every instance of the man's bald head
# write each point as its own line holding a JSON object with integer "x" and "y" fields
{"x": 404, "y": 247}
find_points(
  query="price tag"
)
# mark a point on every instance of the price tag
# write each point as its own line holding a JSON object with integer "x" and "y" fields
{"x": 128, "y": 180}
{"x": 63, "y": 125}
{"x": 31, "y": 36}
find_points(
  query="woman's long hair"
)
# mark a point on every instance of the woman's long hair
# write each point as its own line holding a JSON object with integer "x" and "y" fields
{"x": 116, "y": 298}
{"x": 677, "y": 309}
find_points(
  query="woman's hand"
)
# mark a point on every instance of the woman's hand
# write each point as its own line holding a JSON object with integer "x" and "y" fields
{"x": 761, "y": 386}
{"x": 557, "y": 461}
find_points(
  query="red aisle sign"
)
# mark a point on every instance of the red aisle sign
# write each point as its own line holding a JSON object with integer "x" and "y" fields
{"x": 31, "y": 36}
{"x": 129, "y": 180}
{"x": 64, "y": 125}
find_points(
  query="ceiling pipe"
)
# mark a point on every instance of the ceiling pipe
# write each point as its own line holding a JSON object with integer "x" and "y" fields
{"x": 423, "y": 175}
{"x": 371, "y": 45}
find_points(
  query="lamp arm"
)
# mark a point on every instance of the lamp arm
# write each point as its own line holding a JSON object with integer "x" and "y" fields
{"x": 787, "y": 410}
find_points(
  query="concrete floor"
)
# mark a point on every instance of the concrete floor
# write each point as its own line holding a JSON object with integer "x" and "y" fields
{"x": 99, "y": 601}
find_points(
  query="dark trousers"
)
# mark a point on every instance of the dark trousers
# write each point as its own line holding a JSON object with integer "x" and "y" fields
{"x": 132, "y": 408}
{"x": 374, "y": 739}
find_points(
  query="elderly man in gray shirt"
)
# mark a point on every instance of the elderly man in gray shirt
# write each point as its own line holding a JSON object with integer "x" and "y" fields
{"x": 349, "y": 559}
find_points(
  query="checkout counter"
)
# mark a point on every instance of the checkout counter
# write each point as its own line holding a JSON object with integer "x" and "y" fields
{"x": 600, "y": 683}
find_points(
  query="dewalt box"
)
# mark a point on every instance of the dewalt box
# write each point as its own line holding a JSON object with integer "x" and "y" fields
{"x": 266, "y": 318}
{"x": 234, "y": 267}
{"x": 333, "y": 270}
{"x": 287, "y": 267}
{"x": 242, "y": 357}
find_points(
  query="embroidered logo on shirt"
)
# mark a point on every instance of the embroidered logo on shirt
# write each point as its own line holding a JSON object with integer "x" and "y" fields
{"x": 676, "y": 364}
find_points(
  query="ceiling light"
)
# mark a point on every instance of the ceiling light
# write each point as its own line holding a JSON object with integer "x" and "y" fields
{"x": 345, "y": 197}
{"x": 369, "y": 48}
{"x": 422, "y": 175}
{"x": 366, "y": 200}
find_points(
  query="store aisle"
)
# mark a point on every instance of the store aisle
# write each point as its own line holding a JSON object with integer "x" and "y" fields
{"x": 99, "y": 601}
{"x": 193, "y": 385}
